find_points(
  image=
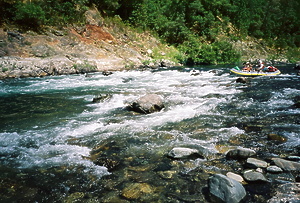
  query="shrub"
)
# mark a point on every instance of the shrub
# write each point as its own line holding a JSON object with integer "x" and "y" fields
{"x": 29, "y": 15}
{"x": 219, "y": 52}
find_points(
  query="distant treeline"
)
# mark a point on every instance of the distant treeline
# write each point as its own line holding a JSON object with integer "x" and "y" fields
{"x": 201, "y": 29}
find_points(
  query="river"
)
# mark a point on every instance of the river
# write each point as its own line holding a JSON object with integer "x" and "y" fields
{"x": 49, "y": 126}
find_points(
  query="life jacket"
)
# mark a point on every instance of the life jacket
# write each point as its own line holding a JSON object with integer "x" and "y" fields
{"x": 272, "y": 69}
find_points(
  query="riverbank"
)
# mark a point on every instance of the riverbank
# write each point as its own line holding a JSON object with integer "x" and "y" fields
{"x": 99, "y": 45}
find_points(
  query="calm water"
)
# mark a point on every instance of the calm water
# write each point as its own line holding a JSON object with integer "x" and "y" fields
{"x": 48, "y": 126}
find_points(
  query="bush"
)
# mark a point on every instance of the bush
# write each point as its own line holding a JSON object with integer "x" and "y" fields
{"x": 29, "y": 15}
{"x": 219, "y": 52}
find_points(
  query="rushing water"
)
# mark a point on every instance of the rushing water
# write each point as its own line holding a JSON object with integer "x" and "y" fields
{"x": 49, "y": 126}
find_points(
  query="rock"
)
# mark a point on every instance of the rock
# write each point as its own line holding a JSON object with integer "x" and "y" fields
{"x": 136, "y": 190}
{"x": 166, "y": 63}
{"x": 167, "y": 174}
{"x": 235, "y": 177}
{"x": 15, "y": 35}
{"x": 274, "y": 169}
{"x": 182, "y": 152}
{"x": 294, "y": 158}
{"x": 240, "y": 153}
{"x": 101, "y": 98}
{"x": 289, "y": 192}
{"x": 107, "y": 73}
{"x": 276, "y": 137}
{"x": 256, "y": 163}
{"x": 297, "y": 103}
{"x": 241, "y": 80}
{"x": 253, "y": 176}
{"x": 195, "y": 72}
{"x": 287, "y": 165}
{"x": 222, "y": 188}
{"x": 149, "y": 103}
{"x": 297, "y": 67}
{"x": 43, "y": 50}
{"x": 282, "y": 177}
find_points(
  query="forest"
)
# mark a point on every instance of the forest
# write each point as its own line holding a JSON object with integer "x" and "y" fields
{"x": 201, "y": 29}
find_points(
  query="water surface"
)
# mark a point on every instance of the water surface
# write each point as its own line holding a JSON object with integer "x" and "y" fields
{"x": 49, "y": 125}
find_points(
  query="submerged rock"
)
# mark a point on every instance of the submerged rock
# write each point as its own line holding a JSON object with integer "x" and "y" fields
{"x": 224, "y": 189}
{"x": 136, "y": 190}
{"x": 149, "y": 103}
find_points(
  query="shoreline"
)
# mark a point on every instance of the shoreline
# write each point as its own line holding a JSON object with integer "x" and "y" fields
{"x": 18, "y": 67}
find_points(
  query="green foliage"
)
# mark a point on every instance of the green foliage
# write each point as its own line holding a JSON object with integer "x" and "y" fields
{"x": 30, "y": 14}
{"x": 34, "y": 14}
{"x": 194, "y": 26}
{"x": 219, "y": 52}
{"x": 293, "y": 55}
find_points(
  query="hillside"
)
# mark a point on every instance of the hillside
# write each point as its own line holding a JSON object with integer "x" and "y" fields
{"x": 98, "y": 45}
{"x": 38, "y": 38}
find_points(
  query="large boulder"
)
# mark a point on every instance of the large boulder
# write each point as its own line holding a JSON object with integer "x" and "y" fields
{"x": 224, "y": 189}
{"x": 149, "y": 103}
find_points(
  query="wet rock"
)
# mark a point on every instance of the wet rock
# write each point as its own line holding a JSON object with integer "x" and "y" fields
{"x": 224, "y": 189}
{"x": 274, "y": 169}
{"x": 101, "y": 98}
{"x": 195, "y": 72}
{"x": 289, "y": 192}
{"x": 297, "y": 103}
{"x": 235, "y": 177}
{"x": 287, "y": 165}
{"x": 276, "y": 137}
{"x": 241, "y": 80}
{"x": 136, "y": 190}
{"x": 282, "y": 177}
{"x": 253, "y": 176}
{"x": 294, "y": 158}
{"x": 107, "y": 73}
{"x": 149, "y": 103}
{"x": 182, "y": 152}
{"x": 240, "y": 153}
{"x": 256, "y": 163}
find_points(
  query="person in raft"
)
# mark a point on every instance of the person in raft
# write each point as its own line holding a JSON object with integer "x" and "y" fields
{"x": 261, "y": 66}
{"x": 247, "y": 67}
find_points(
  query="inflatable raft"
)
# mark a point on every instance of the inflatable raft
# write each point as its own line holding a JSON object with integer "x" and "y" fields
{"x": 253, "y": 73}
